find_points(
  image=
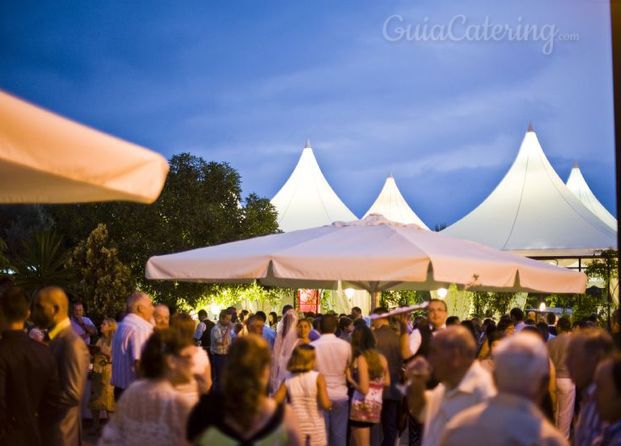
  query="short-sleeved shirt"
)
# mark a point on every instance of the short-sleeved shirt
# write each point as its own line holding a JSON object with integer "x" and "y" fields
{"x": 333, "y": 357}
{"x": 129, "y": 338}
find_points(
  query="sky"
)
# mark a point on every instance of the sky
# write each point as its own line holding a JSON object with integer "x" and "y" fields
{"x": 442, "y": 108}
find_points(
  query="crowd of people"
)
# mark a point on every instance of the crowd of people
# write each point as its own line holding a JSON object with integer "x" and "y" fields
{"x": 302, "y": 379}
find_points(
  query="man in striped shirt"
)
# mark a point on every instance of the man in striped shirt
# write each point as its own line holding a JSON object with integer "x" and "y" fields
{"x": 130, "y": 336}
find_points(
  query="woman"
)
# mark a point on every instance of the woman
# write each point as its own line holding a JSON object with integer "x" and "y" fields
{"x": 243, "y": 413}
{"x": 346, "y": 328}
{"x": 493, "y": 338}
{"x": 102, "y": 392}
{"x": 273, "y": 320}
{"x": 151, "y": 412}
{"x": 201, "y": 368}
{"x": 286, "y": 340}
{"x": 368, "y": 375}
{"x": 304, "y": 330}
{"x": 307, "y": 392}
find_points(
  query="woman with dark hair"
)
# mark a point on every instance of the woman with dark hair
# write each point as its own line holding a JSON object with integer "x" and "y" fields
{"x": 272, "y": 319}
{"x": 368, "y": 375}
{"x": 243, "y": 413}
{"x": 345, "y": 329}
{"x": 151, "y": 412}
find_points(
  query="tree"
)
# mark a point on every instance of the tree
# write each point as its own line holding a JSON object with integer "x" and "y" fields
{"x": 102, "y": 281}
{"x": 605, "y": 267}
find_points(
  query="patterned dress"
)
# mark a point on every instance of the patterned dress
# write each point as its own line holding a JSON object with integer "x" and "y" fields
{"x": 102, "y": 392}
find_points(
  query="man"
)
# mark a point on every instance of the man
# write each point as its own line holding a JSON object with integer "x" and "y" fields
{"x": 131, "y": 335}
{"x": 268, "y": 334}
{"x": 420, "y": 338}
{"x": 51, "y": 311}
{"x": 551, "y": 321}
{"x": 222, "y": 335}
{"x": 517, "y": 316}
{"x": 512, "y": 417}
{"x": 29, "y": 388}
{"x": 608, "y": 382}
{"x": 83, "y": 326}
{"x": 463, "y": 382}
{"x": 389, "y": 344}
{"x": 202, "y": 334}
{"x": 161, "y": 316}
{"x": 333, "y": 358}
{"x": 587, "y": 348}
{"x": 565, "y": 388}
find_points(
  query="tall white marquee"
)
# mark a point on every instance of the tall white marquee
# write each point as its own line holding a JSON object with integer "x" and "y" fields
{"x": 391, "y": 204}
{"x": 578, "y": 185}
{"x": 306, "y": 200}
{"x": 533, "y": 213}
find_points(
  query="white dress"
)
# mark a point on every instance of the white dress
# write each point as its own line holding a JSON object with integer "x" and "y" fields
{"x": 302, "y": 393}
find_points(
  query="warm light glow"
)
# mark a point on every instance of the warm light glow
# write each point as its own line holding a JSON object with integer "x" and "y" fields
{"x": 349, "y": 292}
{"x": 542, "y": 306}
{"x": 215, "y": 309}
{"x": 442, "y": 292}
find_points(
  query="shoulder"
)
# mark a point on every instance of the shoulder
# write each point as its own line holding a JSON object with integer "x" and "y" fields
{"x": 467, "y": 417}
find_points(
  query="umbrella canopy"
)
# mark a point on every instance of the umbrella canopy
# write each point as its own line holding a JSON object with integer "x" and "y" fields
{"x": 373, "y": 254}
{"x": 45, "y": 158}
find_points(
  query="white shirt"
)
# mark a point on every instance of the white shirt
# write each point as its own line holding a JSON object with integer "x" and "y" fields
{"x": 80, "y": 331}
{"x": 333, "y": 357}
{"x": 129, "y": 338}
{"x": 442, "y": 405}
{"x": 416, "y": 339}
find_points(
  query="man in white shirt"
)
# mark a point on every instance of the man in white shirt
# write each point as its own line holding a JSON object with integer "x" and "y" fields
{"x": 82, "y": 325}
{"x": 437, "y": 313}
{"x": 333, "y": 358}
{"x": 463, "y": 382}
{"x": 511, "y": 417}
{"x": 129, "y": 338}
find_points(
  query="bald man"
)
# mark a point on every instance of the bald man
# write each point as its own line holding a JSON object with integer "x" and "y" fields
{"x": 51, "y": 311}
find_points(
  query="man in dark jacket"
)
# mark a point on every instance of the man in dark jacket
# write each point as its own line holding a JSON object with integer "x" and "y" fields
{"x": 29, "y": 392}
{"x": 51, "y": 308}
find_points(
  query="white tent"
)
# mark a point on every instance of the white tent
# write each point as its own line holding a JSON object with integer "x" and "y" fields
{"x": 578, "y": 185}
{"x": 306, "y": 200}
{"x": 532, "y": 212}
{"x": 45, "y": 158}
{"x": 391, "y": 204}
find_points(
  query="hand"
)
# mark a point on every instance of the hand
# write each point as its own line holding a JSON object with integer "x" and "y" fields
{"x": 418, "y": 369}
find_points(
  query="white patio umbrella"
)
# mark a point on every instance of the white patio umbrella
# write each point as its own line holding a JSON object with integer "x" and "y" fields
{"x": 45, "y": 158}
{"x": 374, "y": 254}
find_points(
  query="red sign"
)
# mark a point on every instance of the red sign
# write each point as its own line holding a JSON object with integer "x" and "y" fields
{"x": 308, "y": 301}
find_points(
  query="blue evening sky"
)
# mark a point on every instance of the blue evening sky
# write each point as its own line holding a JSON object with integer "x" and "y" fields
{"x": 248, "y": 81}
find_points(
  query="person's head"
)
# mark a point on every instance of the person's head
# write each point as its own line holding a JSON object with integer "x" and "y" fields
{"x": 521, "y": 366}
{"x": 225, "y": 317}
{"x": 346, "y": 325}
{"x": 183, "y": 324}
{"x": 286, "y": 308}
{"x": 78, "y": 310}
{"x": 141, "y": 304}
{"x": 304, "y": 328}
{"x": 563, "y": 325}
{"x": 587, "y": 349}
{"x": 273, "y": 318}
{"x": 245, "y": 378}
{"x": 233, "y": 312}
{"x": 362, "y": 339}
{"x": 14, "y": 308}
{"x": 51, "y": 306}
{"x": 544, "y": 329}
{"x": 517, "y": 315}
{"x": 452, "y": 352}
{"x": 608, "y": 385}
{"x": 261, "y": 315}
{"x": 108, "y": 327}
{"x": 506, "y": 326}
{"x": 452, "y": 320}
{"x": 437, "y": 312}
{"x": 470, "y": 326}
{"x": 380, "y": 321}
{"x": 255, "y": 325}
{"x": 532, "y": 316}
{"x": 244, "y": 315}
{"x": 167, "y": 355}
{"x": 161, "y": 316}
{"x": 302, "y": 359}
{"x": 493, "y": 337}
{"x": 551, "y": 318}
{"x": 356, "y": 313}
{"x": 328, "y": 324}
{"x": 202, "y": 315}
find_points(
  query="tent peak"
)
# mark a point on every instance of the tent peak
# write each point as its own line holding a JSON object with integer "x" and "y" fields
{"x": 576, "y": 166}
{"x": 308, "y": 144}
{"x": 530, "y": 127}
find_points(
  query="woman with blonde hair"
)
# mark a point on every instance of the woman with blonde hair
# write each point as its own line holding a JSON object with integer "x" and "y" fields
{"x": 307, "y": 392}
{"x": 243, "y": 413}
{"x": 102, "y": 391}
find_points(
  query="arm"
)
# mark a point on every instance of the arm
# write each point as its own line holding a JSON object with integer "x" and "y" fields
{"x": 322, "y": 393}
{"x": 418, "y": 374}
{"x": 386, "y": 371}
{"x": 89, "y": 327}
{"x": 281, "y": 393}
{"x": 293, "y": 428}
{"x": 75, "y": 368}
{"x": 362, "y": 385}
{"x": 404, "y": 337}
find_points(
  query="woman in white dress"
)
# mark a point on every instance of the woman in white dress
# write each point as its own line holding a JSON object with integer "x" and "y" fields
{"x": 151, "y": 412}
{"x": 307, "y": 393}
{"x": 285, "y": 342}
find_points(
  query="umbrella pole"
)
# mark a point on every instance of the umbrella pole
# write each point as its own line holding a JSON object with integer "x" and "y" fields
{"x": 375, "y": 295}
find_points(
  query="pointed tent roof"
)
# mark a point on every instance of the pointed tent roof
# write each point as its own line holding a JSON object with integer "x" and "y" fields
{"x": 391, "y": 204}
{"x": 306, "y": 199}
{"x": 533, "y": 213}
{"x": 578, "y": 185}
